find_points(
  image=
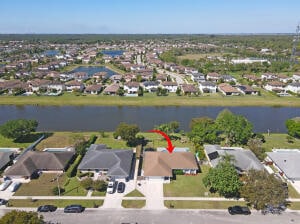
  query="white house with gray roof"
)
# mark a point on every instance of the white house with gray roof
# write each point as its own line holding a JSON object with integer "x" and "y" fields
{"x": 115, "y": 163}
{"x": 244, "y": 159}
{"x": 287, "y": 161}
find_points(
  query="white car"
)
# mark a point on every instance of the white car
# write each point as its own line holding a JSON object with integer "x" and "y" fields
{"x": 14, "y": 186}
{"x": 110, "y": 187}
{"x": 5, "y": 184}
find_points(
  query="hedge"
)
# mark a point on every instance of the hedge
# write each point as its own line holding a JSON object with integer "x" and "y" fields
{"x": 71, "y": 172}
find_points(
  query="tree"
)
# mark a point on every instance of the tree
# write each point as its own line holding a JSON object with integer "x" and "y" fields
{"x": 20, "y": 217}
{"x": 16, "y": 129}
{"x": 236, "y": 128}
{"x": 224, "y": 179}
{"x": 261, "y": 188}
{"x": 86, "y": 183}
{"x": 127, "y": 132}
{"x": 293, "y": 127}
{"x": 171, "y": 127}
{"x": 255, "y": 145}
{"x": 203, "y": 131}
{"x": 99, "y": 185}
{"x": 140, "y": 91}
{"x": 178, "y": 91}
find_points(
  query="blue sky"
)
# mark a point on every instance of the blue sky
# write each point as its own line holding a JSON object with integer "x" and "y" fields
{"x": 149, "y": 16}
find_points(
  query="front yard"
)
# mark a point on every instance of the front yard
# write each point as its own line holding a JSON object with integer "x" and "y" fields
{"x": 61, "y": 203}
{"x": 189, "y": 186}
{"x": 133, "y": 203}
{"x": 46, "y": 182}
{"x": 202, "y": 204}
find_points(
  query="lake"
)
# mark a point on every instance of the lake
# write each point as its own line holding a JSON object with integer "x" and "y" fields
{"x": 113, "y": 53}
{"x": 107, "y": 118}
{"x": 51, "y": 53}
{"x": 90, "y": 70}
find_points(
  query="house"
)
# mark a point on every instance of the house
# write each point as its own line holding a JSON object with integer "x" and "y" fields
{"x": 74, "y": 85}
{"x": 275, "y": 86}
{"x": 116, "y": 78}
{"x": 252, "y": 78}
{"x": 293, "y": 87}
{"x": 296, "y": 77}
{"x": 244, "y": 159}
{"x": 150, "y": 86}
{"x": 114, "y": 163}
{"x": 159, "y": 166}
{"x": 213, "y": 76}
{"x": 198, "y": 77}
{"x": 208, "y": 87}
{"x": 80, "y": 76}
{"x": 268, "y": 77}
{"x": 228, "y": 90}
{"x": 5, "y": 159}
{"x": 30, "y": 163}
{"x": 170, "y": 86}
{"x": 36, "y": 84}
{"x": 131, "y": 87}
{"x": 188, "y": 89}
{"x": 93, "y": 89}
{"x": 112, "y": 89}
{"x": 287, "y": 162}
{"x": 284, "y": 78}
{"x": 247, "y": 90}
{"x": 56, "y": 86}
{"x": 228, "y": 78}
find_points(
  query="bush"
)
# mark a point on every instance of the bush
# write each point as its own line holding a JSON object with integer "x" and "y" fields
{"x": 99, "y": 185}
{"x": 87, "y": 183}
{"x": 56, "y": 190}
{"x": 178, "y": 172}
{"x": 71, "y": 172}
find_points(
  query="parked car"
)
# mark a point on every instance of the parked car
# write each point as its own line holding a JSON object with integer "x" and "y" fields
{"x": 111, "y": 187}
{"x": 3, "y": 201}
{"x": 239, "y": 210}
{"x": 5, "y": 185}
{"x": 273, "y": 209}
{"x": 14, "y": 186}
{"x": 47, "y": 208}
{"x": 121, "y": 187}
{"x": 73, "y": 209}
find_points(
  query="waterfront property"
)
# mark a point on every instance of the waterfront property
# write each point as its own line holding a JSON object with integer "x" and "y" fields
{"x": 243, "y": 160}
{"x": 161, "y": 166}
{"x": 112, "y": 163}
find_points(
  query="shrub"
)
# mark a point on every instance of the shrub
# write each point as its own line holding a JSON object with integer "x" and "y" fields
{"x": 178, "y": 172}
{"x": 71, "y": 172}
{"x": 99, "y": 185}
{"x": 87, "y": 183}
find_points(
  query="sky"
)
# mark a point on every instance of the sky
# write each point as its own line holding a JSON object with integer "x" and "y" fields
{"x": 149, "y": 16}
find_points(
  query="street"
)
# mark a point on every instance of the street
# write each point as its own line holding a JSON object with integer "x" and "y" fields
{"x": 112, "y": 216}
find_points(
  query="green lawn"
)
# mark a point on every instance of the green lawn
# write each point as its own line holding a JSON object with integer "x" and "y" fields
{"x": 294, "y": 206}
{"x": 43, "y": 186}
{"x": 10, "y": 143}
{"x": 111, "y": 142}
{"x": 292, "y": 192}
{"x": 62, "y": 139}
{"x": 133, "y": 203}
{"x": 188, "y": 186}
{"x": 134, "y": 193}
{"x": 150, "y": 99}
{"x": 279, "y": 141}
{"x": 99, "y": 193}
{"x": 61, "y": 203}
{"x": 202, "y": 204}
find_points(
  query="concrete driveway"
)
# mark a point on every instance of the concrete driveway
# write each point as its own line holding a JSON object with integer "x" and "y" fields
{"x": 154, "y": 193}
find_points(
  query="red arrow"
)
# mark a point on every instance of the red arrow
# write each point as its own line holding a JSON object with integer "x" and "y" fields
{"x": 170, "y": 147}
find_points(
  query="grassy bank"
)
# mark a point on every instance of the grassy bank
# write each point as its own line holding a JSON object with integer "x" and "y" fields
{"x": 61, "y": 203}
{"x": 151, "y": 100}
{"x": 202, "y": 204}
{"x": 133, "y": 203}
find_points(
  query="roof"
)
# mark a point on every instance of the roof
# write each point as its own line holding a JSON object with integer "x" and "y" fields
{"x": 228, "y": 88}
{"x": 33, "y": 161}
{"x": 207, "y": 83}
{"x": 5, "y": 157}
{"x": 116, "y": 161}
{"x": 244, "y": 158}
{"x": 288, "y": 161}
{"x": 112, "y": 88}
{"x": 162, "y": 163}
{"x": 189, "y": 88}
{"x": 132, "y": 84}
{"x": 95, "y": 87}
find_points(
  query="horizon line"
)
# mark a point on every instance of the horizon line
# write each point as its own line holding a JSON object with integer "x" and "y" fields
{"x": 252, "y": 33}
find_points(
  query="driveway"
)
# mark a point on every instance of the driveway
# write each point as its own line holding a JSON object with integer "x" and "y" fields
{"x": 154, "y": 193}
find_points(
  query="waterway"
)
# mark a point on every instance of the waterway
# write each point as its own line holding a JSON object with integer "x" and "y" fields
{"x": 107, "y": 118}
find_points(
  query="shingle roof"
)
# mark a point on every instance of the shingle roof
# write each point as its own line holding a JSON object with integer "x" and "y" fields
{"x": 33, "y": 161}
{"x": 5, "y": 157}
{"x": 162, "y": 163}
{"x": 244, "y": 159}
{"x": 288, "y": 161}
{"x": 117, "y": 162}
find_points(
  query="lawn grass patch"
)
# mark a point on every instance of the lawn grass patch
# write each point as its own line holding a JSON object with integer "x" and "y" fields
{"x": 279, "y": 141}
{"x": 44, "y": 185}
{"x": 189, "y": 186}
{"x": 99, "y": 193}
{"x": 134, "y": 193}
{"x": 111, "y": 142}
{"x": 10, "y": 143}
{"x": 61, "y": 203}
{"x": 292, "y": 192}
{"x": 133, "y": 203}
{"x": 202, "y": 204}
{"x": 294, "y": 206}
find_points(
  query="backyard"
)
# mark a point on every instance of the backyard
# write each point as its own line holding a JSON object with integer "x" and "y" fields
{"x": 279, "y": 141}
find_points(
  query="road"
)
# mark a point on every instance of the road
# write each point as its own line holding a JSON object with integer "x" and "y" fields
{"x": 115, "y": 216}
{"x": 179, "y": 79}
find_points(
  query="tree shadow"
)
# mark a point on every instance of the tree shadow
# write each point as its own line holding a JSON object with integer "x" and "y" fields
{"x": 32, "y": 137}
